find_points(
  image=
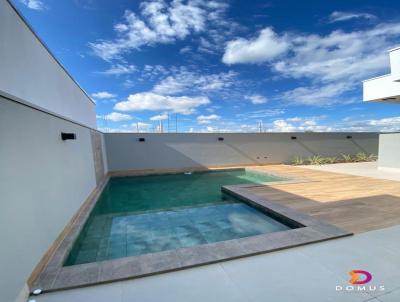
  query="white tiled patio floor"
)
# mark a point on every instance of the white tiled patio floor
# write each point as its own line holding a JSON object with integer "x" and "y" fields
{"x": 308, "y": 273}
{"x": 367, "y": 169}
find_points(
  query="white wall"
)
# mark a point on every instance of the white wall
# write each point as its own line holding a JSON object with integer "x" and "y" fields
{"x": 43, "y": 182}
{"x": 104, "y": 153}
{"x": 389, "y": 150}
{"x": 125, "y": 152}
{"x": 381, "y": 88}
{"x": 30, "y": 74}
{"x": 395, "y": 63}
{"x": 385, "y": 88}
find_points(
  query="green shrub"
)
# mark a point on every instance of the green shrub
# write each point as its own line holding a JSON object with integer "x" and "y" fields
{"x": 347, "y": 157}
{"x": 298, "y": 161}
{"x": 330, "y": 160}
{"x": 315, "y": 160}
{"x": 361, "y": 156}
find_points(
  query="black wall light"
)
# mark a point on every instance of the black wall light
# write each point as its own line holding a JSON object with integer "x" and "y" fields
{"x": 293, "y": 137}
{"x": 141, "y": 139}
{"x": 220, "y": 139}
{"x": 66, "y": 136}
{"x": 349, "y": 137}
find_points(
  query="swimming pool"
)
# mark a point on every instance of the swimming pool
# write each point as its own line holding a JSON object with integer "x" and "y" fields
{"x": 148, "y": 214}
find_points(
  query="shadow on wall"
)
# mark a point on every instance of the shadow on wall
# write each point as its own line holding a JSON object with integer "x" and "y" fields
{"x": 125, "y": 151}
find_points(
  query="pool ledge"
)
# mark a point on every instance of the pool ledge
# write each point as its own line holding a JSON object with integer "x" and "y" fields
{"x": 310, "y": 230}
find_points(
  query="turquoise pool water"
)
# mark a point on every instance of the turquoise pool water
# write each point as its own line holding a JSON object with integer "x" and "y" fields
{"x": 147, "y": 214}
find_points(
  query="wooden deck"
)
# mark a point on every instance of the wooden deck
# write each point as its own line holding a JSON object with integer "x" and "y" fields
{"x": 354, "y": 203}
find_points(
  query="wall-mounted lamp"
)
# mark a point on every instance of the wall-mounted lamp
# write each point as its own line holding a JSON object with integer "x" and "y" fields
{"x": 293, "y": 137}
{"x": 66, "y": 136}
{"x": 349, "y": 137}
{"x": 220, "y": 139}
{"x": 141, "y": 139}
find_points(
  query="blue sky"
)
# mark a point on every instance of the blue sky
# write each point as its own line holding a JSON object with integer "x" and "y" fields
{"x": 225, "y": 65}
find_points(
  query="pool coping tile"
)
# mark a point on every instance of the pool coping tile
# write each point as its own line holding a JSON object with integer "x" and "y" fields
{"x": 306, "y": 230}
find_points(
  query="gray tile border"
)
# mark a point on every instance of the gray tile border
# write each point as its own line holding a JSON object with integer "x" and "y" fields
{"x": 191, "y": 257}
{"x": 70, "y": 276}
{"x": 162, "y": 261}
{"x": 307, "y": 230}
{"x": 54, "y": 266}
{"x": 153, "y": 172}
{"x": 46, "y": 278}
{"x": 118, "y": 270}
{"x": 284, "y": 178}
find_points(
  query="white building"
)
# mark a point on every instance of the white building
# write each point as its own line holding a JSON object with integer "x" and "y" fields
{"x": 386, "y": 89}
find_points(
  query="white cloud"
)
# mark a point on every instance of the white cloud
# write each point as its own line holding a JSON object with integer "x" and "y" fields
{"x": 290, "y": 124}
{"x": 129, "y": 128}
{"x": 213, "y": 108}
{"x": 386, "y": 124}
{"x": 318, "y": 95}
{"x": 256, "y": 99}
{"x": 295, "y": 119}
{"x": 282, "y": 126}
{"x": 319, "y": 124}
{"x": 186, "y": 49}
{"x": 207, "y": 119}
{"x": 267, "y": 46}
{"x": 338, "y": 16}
{"x": 112, "y": 130}
{"x": 313, "y": 124}
{"x": 151, "y": 72}
{"x": 103, "y": 95}
{"x": 334, "y": 64}
{"x": 206, "y": 46}
{"x": 259, "y": 114}
{"x": 296, "y": 124}
{"x": 159, "y": 117}
{"x": 158, "y": 22}
{"x": 119, "y": 69}
{"x": 141, "y": 127}
{"x": 128, "y": 83}
{"x": 340, "y": 55}
{"x": 115, "y": 117}
{"x": 156, "y": 102}
{"x": 187, "y": 81}
{"x": 334, "y": 56}
{"x": 34, "y": 4}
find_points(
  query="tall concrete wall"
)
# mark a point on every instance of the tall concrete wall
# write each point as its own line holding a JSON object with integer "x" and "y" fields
{"x": 43, "y": 182}
{"x": 180, "y": 150}
{"x": 30, "y": 74}
{"x": 389, "y": 151}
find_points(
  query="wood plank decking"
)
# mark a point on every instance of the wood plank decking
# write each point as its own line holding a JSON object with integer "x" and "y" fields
{"x": 354, "y": 203}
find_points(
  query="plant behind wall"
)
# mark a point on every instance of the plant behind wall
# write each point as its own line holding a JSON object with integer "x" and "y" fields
{"x": 343, "y": 158}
